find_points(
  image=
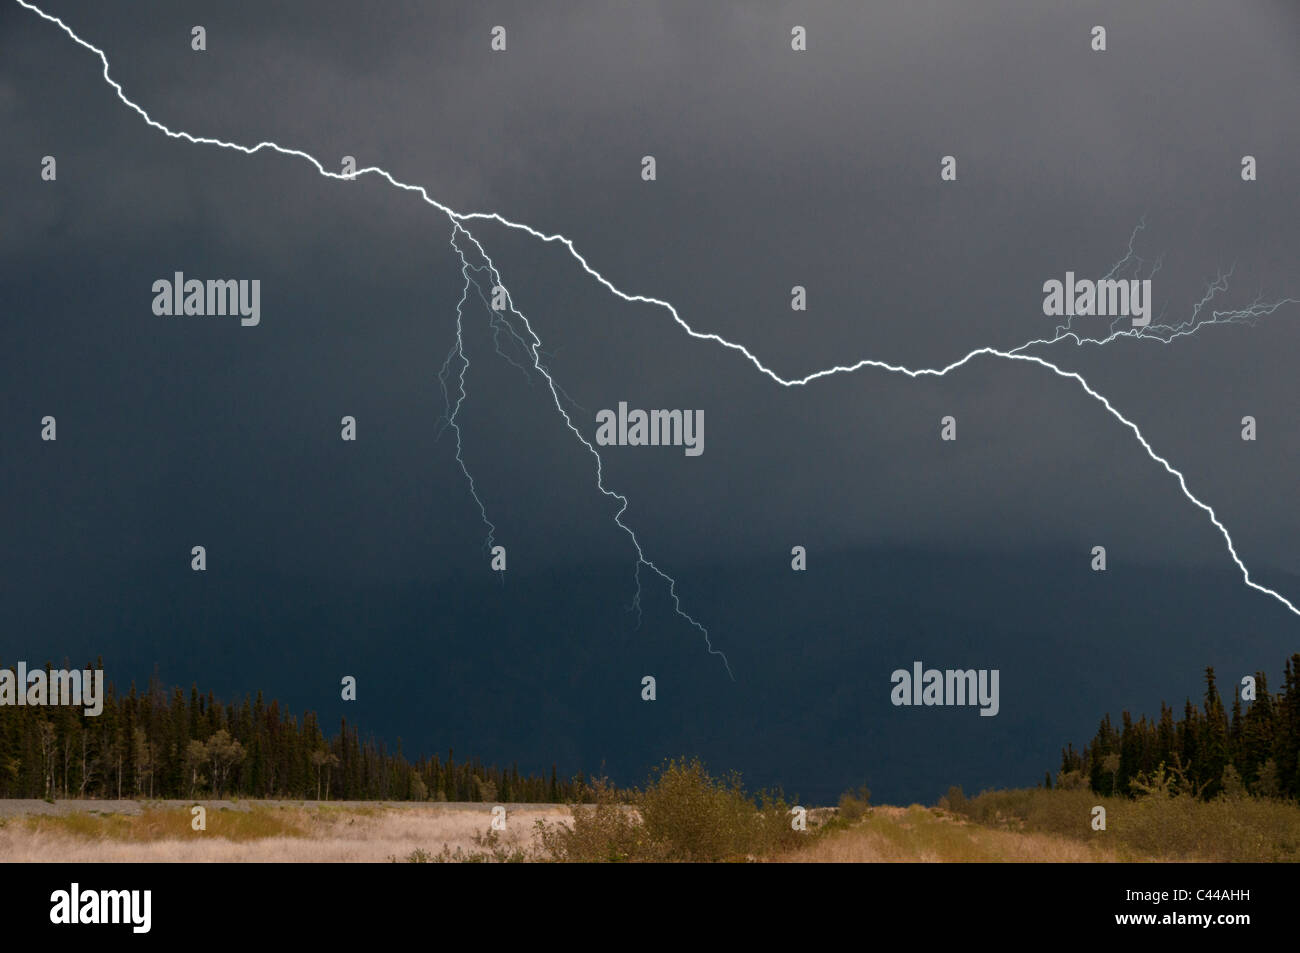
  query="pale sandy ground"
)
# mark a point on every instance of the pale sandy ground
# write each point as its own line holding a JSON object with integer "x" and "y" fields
{"x": 335, "y": 835}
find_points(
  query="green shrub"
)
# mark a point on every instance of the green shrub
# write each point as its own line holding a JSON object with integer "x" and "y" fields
{"x": 604, "y": 831}
{"x": 854, "y": 804}
{"x": 684, "y": 814}
{"x": 954, "y": 800}
{"x": 1161, "y": 825}
{"x": 695, "y": 817}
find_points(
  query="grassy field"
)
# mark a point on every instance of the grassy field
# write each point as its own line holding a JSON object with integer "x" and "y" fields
{"x": 259, "y": 831}
{"x": 683, "y": 814}
{"x": 1003, "y": 826}
{"x": 1240, "y": 829}
{"x": 930, "y": 835}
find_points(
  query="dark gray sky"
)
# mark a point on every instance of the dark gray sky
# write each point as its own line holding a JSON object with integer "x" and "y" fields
{"x": 775, "y": 168}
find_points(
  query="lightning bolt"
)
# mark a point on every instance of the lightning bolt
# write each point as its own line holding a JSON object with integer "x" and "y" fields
{"x": 1160, "y": 332}
{"x": 457, "y": 352}
{"x": 556, "y": 395}
{"x": 1165, "y": 333}
{"x": 449, "y": 420}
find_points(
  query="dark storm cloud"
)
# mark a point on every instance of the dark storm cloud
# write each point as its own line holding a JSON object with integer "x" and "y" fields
{"x": 775, "y": 169}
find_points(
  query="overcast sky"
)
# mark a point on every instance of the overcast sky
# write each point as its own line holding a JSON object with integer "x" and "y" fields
{"x": 774, "y": 168}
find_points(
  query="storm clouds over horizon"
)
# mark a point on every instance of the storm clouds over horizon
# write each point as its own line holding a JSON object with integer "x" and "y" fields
{"x": 774, "y": 169}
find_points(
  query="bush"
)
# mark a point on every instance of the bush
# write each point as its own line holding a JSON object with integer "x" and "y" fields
{"x": 954, "y": 800}
{"x": 605, "y": 831}
{"x": 694, "y": 817}
{"x": 684, "y": 814}
{"x": 1161, "y": 825}
{"x": 855, "y": 804}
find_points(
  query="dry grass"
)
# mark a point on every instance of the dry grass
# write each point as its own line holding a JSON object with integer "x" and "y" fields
{"x": 299, "y": 834}
{"x": 928, "y": 835}
{"x": 1150, "y": 828}
{"x": 173, "y": 823}
{"x": 1032, "y": 826}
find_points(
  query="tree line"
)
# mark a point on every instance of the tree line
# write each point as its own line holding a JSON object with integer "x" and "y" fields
{"x": 1254, "y": 748}
{"x": 160, "y": 744}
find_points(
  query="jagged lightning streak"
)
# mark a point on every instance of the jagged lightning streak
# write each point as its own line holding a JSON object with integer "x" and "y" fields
{"x": 642, "y": 559}
{"x": 1165, "y": 333}
{"x": 497, "y": 321}
{"x": 460, "y": 218}
{"x": 458, "y": 350}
